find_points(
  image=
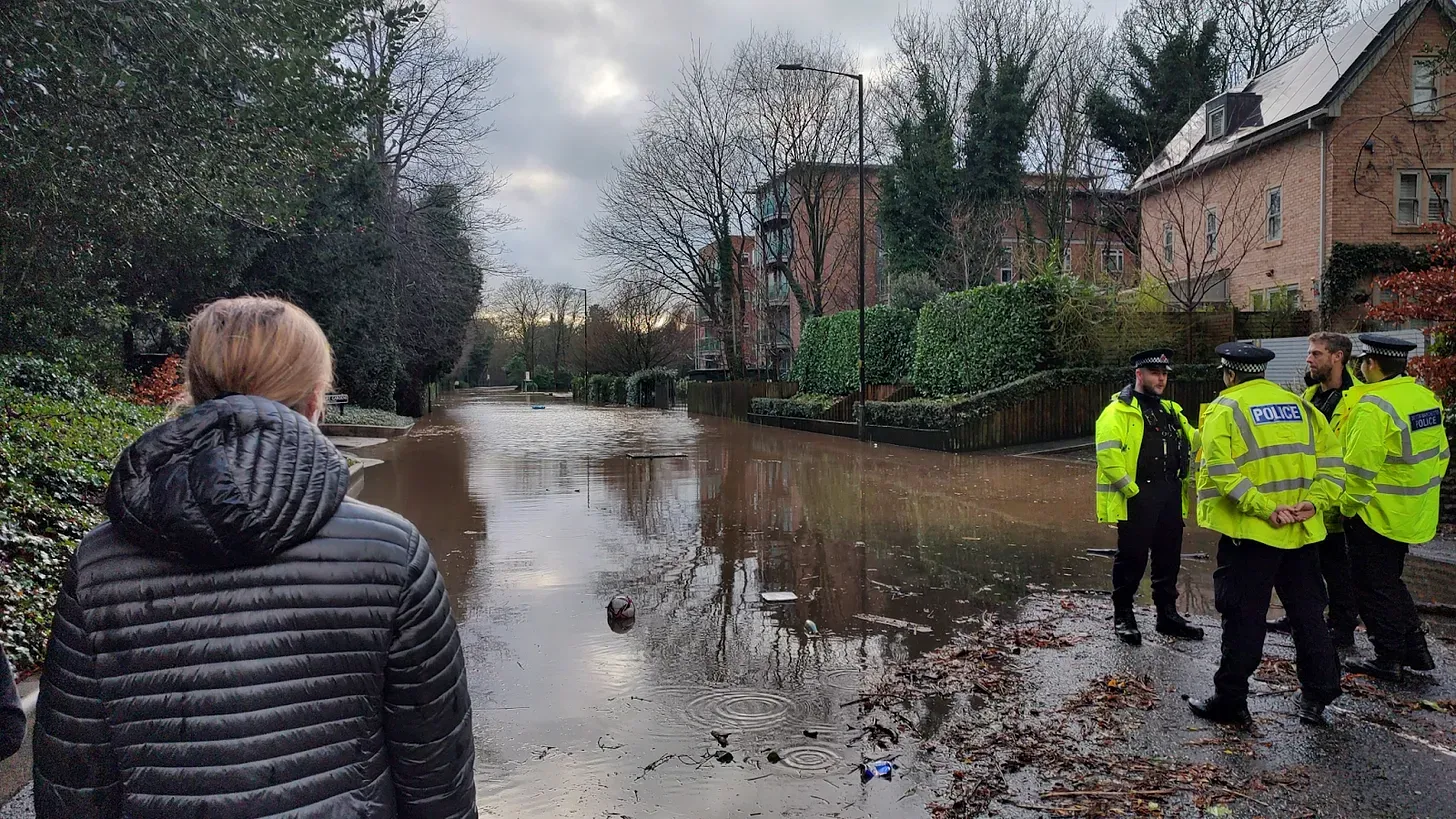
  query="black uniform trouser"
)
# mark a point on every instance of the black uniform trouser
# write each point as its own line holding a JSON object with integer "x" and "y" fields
{"x": 1247, "y": 572}
{"x": 1386, "y": 606}
{"x": 1339, "y": 588}
{"x": 1154, "y": 526}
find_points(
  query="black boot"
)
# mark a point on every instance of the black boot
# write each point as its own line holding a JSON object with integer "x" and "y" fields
{"x": 1173, "y": 624}
{"x": 1219, "y": 709}
{"x": 1380, "y": 668}
{"x": 1342, "y": 637}
{"x": 1124, "y": 624}
{"x": 1418, "y": 654}
{"x": 1309, "y": 711}
{"x": 1280, "y": 626}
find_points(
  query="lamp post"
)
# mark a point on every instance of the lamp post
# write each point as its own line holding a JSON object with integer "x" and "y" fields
{"x": 859, "y": 81}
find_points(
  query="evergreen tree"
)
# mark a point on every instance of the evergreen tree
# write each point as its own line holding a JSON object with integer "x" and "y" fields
{"x": 920, "y": 188}
{"x": 1163, "y": 90}
{"x": 998, "y": 122}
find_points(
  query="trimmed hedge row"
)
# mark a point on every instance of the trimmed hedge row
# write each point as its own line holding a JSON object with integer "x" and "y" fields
{"x": 607, "y": 389}
{"x": 973, "y": 340}
{"x": 803, "y": 405}
{"x": 827, "y": 360}
{"x": 918, "y": 413}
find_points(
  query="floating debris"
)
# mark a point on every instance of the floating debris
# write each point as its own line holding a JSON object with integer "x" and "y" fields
{"x": 778, "y": 596}
{"x": 905, "y": 625}
{"x": 647, "y": 456}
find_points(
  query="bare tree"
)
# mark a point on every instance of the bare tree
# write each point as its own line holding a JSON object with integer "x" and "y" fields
{"x": 565, "y": 312}
{"x": 1198, "y": 230}
{"x": 1265, "y": 33}
{"x": 801, "y": 132}
{"x": 676, "y": 205}
{"x": 522, "y": 304}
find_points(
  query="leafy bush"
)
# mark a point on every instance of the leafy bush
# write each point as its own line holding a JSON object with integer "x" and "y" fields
{"x": 607, "y": 389}
{"x": 643, "y": 386}
{"x": 163, "y": 386}
{"x": 918, "y": 413}
{"x": 360, "y": 416}
{"x": 56, "y": 456}
{"x": 973, "y": 340}
{"x": 578, "y": 389}
{"x": 1352, "y": 264}
{"x": 828, "y": 357}
{"x": 803, "y": 405}
{"x": 44, "y": 377}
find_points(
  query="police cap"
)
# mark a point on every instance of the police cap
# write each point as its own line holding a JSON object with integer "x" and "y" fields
{"x": 1242, "y": 357}
{"x": 1158, "y": 359}
{"x": 1386, "y": 346}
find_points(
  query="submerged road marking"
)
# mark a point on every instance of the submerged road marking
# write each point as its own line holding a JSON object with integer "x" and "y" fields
{"x": 1442, "y": 749}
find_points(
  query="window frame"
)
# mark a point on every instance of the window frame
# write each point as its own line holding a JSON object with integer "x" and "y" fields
{"x": 1432, "y": 104}
{"x": 1114, "y": 253}
{"x": 1415, "y": 211}
{"x": 1007, "y": 268}
{"x": 1210, "y": 237}
{"x": 1168, "y": 243}
{"x": 1222, "y": 113}
{"x": 1443, "y": 203}
{"x": 1274, "y": 216}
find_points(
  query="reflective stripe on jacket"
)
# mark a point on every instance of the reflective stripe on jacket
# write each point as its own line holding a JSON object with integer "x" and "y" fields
{"x": 1119, "y": 441}
{"x": 1396, "y": 454}
{"x": 1265, "y": 447}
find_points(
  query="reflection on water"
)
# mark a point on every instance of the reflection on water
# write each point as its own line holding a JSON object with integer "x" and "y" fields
{"x": 538, "y": 517}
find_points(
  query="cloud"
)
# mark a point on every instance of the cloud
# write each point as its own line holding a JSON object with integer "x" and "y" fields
{"x": 578, "y": 74}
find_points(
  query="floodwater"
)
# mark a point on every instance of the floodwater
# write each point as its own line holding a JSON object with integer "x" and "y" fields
{"x": 538, "y": 517}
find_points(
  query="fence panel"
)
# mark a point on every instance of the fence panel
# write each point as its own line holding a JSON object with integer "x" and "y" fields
{"x": 733, "y": 399}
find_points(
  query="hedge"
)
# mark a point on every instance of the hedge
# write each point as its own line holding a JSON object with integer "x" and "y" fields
{"x": 642, "y": 386}
{"x": 1351, "y": 264}
{"x": 607, "y": 389}
{"x": 578, "y": 388}
{"x": 59, "y": 439}
{"x": 827, "y": 360}
{"x": 918, "y": 413}
{"x": 803, "y": 405}
{"x": 973, "y": 340}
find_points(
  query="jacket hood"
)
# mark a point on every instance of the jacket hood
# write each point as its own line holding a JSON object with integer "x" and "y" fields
{"x": 233, "y": 481}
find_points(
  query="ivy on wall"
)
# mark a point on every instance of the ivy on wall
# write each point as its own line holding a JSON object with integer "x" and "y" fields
{"x": 1351, "y": 266}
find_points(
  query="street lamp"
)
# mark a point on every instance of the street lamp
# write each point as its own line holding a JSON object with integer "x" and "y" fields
{"x": 585, "y": 361}
{"x": 859, "y": 80}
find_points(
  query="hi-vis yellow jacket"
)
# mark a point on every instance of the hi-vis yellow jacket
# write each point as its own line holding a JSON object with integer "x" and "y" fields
{"x": 1396, "y": 453}
{"x": 1119, "y": 441}
{"x": 1265, "y": 447}
{"x": 1333, "y": 521}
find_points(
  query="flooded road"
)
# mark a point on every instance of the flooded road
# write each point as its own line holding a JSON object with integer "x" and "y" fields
{"x": 538, "y": 517}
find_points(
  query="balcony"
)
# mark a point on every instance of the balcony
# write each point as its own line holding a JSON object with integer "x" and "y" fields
{"x": 777, "y": 292}
{"x": 708, "y": 346}
{"x": 775, "y": 206}
{"x": 777, "y": 247}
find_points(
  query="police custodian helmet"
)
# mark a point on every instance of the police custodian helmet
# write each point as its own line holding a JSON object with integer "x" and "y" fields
{"x": 1158, "y": 359}
{"x": 1384, "y": 346}
{"x": 1242, "y": 357}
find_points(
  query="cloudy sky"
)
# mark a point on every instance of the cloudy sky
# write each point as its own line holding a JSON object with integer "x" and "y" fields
{"x": 578, "y": 74}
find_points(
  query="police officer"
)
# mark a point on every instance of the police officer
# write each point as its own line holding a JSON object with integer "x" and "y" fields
{"x": 1144, "y": 443}
{"x": 1331, "y": 391}
{"x": 1396, "y": 453}
{"x": 1270, "y": 467}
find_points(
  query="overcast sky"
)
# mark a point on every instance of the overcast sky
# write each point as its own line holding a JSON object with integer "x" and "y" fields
{"x": 578, "y": 74}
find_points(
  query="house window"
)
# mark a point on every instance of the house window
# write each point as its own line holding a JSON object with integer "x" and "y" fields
{"x": 1066, "y": 257}
{"x": 1112, "y": 260}
{"x": 1423, "y": 87}
{"x": 1413, "y": 188}
{"x": 1408, "y": 198}
{"x": 1217, "y": 122}
{"x": 1210, "y": 230}
{"x": 1167, "y": 243}
{"x": 1274, "y": 215}
{"x": 1257, "y": 302}
{"x": 1005, "y": 271}
{"x": 1438, "y": 197}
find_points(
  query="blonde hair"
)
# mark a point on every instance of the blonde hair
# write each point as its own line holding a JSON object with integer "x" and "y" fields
{"x": 254, "y": 345}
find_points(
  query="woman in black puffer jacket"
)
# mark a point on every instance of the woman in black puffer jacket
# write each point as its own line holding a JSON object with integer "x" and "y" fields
{"x": 242, "y": 640}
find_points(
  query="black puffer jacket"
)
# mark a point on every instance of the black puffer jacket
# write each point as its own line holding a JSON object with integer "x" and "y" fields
{"x": 242, "y": 641}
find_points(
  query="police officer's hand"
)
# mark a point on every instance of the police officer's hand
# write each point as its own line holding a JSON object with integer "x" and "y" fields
{"x": 1303, "y": 511}
{"x": 1280, "y": 516}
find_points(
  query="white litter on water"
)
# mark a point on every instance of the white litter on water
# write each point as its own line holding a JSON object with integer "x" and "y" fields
{"x": 893, "y": 623}
{"x": 778, "y": 597}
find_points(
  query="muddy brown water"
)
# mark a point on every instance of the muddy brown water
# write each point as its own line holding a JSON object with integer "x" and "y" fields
{"x": 538, "y": 517}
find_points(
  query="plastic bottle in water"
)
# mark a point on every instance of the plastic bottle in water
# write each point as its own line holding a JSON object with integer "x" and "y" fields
{"x": 881, "y": 768}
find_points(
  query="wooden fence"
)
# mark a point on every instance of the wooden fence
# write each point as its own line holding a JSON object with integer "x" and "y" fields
{"x": 1061, "y": 413}
{"x": 733, "y": 399}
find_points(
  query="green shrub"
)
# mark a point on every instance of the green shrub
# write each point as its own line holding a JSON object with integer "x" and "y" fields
{"x": 365, "y": 417}
{"x": 607, "y": 389}
{"x": 918, "y": 413}
{"x": 643, "y": 386}
{"x": 578, "y": 389}
{"x": 803, "y": 405}
{"x": 38, "y": 376}
{"x": 973, "y": 340}
{"x": 827, "y": 360}
{"x": 56, "y": 456}
{"x": 1352, "y": 265}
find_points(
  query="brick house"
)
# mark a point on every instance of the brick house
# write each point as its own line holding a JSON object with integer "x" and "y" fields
{"x": 708, "y": 351}
{"x": 1351, "y": 141}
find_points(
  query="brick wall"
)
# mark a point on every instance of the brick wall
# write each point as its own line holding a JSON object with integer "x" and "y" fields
{"x": 1362, "y": 190}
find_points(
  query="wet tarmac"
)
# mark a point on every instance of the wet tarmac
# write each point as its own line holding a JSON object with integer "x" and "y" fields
{"x": 538, "y": 517}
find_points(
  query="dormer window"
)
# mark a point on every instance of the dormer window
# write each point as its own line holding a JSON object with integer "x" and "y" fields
{"x": 1217, "y": 122}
